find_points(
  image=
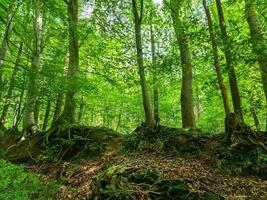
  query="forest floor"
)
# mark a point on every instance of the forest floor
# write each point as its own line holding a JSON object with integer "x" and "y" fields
{"x": 199, "y": 176}
{"x": 204, "y": 163}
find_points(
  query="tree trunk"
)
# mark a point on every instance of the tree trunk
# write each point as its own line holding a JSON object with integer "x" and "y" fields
{"x": 11, "y": 87}
{"x": 259, "y": 41}
{"x": 154, "y": 66}
{"x": 29, "y": 122}
{"x": 188, "y": 118}
{"x": 47, "y": 114}
{"x": 37, "y": 109}
{"x": 58, "y": 107}
{"x": 229, "y": 63}
{"x": 18, "y": 111}
{"x": 226, "y": 102}
{"x": 119, "y": 118}
{"x": 68, "y": 114}
{"x": 140, "y": 61}
{"x": 255, "y": 118}
{"x": 80, "y": 115}
{"x": 3, "y": 48}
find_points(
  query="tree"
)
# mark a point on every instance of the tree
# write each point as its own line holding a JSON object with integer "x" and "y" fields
{"x": 188, "y": 118}
{"x": 229, "y": 62}
{"x": 30, "y": 125}
{"x": 11, "y": 86}
{"x": 259, "y": 41}
{"x": 3, "y": 48}
{"x": 68, "y": 114}
{"x": 219, "y": 74}
{"x": 154, "y": 66}
{"x": 140, "y": 61}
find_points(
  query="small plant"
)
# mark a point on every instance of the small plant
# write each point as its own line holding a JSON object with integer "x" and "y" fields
{"x": 16, "y": 184}
{"x": 262, "y": 158}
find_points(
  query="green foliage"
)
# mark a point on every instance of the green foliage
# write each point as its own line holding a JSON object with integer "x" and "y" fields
{"x": 116, "y": 193}
{"x": 244, "y": 159}
{"x": 16, "y": 184}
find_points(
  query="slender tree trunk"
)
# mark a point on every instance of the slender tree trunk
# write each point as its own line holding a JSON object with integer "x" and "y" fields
{"x": 47, "y": 114}
{"x": 29, "y": 122}
{"x": 119, "y": 118}
{"x": 140, "y": 61}
{"x": 188, "y": 118}
{"x": 104, "y": 117}
{"x": 11, "y": 87}
{"x": 229, "y": 63}
{"x": 3, "y": 48}
{"x": 80, "y": 115}
{"x": 259, "y": 41}
{"x": 225, "y": 98}
{"x": 18, "y": 112}
{"x": 58, "y": 107}
{"x": 155, "y": 79}
{"x": 37, "y": 109}
{"x": 198, "y": 104}
{"x": 255, "y": 118}
{"x": 68, "y": 114}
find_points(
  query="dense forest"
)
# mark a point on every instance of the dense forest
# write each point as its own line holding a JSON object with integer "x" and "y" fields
{"x": 133, "y": 99}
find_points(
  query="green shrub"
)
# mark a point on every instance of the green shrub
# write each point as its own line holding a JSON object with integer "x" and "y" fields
{"x": 16, "y": 184}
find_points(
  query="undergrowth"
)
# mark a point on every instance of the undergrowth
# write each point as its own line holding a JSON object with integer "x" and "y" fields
{"x": 16, "y": 184}
{"x": 123, "y": 183}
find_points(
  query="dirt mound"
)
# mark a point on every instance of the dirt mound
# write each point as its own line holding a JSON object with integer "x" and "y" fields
{"x": 198, "y": 175}
{"x": 171, "y": 140}
{"x": 158, "y": 176}
{"x": 236, "y": 159}
{"x": 59, "y": 144}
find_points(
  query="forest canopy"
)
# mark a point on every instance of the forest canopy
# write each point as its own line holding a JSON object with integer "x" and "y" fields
{"x": 78, "y": 59}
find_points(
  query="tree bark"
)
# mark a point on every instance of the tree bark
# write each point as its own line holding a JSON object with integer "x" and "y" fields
{"x": 154, "y": 66}
{"x": 259, "y": 41}
{"x": 3, "y": 48}
{"x": 58, "y": 107}
{"x": 119, "y": 118}
{"x": 11, "y": 87}
{"x": 80, "y": 115}
{"x": 68, "y": 114}
{"x": 188, "y": 117}
{"x": 255, "y": 118}
{"x": 47, "y": 114}
{"x": 229, "y": 63}
{"x": 140, "y": 61}
{"x": 30, "y": 125}
{"x": 37, "y": 109}
{"x": 17, "y": 110}
{"x": 225, "y": 98}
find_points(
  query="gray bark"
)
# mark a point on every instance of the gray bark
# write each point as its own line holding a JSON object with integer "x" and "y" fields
{"x": 29, "y": 122}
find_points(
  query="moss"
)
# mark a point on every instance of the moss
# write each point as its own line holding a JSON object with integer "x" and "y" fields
{"x": 119, "y": 182}
{"x": 210, "y": 196}
{"x": 170, "y": 140}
